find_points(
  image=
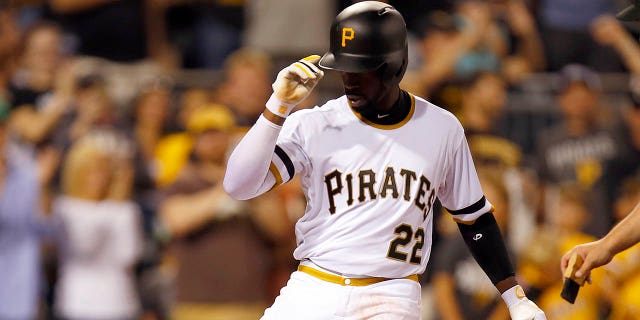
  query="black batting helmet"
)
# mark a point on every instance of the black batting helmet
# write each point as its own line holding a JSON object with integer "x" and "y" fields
{"x": 367, "y": 36}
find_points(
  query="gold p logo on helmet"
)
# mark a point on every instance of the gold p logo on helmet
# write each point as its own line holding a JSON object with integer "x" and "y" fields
{"x": 347, "y": 34}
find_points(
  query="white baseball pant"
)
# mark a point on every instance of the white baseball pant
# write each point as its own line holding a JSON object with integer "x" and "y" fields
{"x": 309, "y": 297}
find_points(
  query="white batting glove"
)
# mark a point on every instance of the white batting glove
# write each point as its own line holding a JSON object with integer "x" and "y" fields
{"x": 293, "y": 84}
{"x": 520, "y": 307}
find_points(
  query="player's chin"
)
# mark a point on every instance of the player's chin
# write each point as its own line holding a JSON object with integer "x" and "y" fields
{"x": 357, "y": 102}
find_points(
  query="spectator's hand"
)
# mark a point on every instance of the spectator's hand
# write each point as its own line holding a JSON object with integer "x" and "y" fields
{"x": 293, "y": 84}
{"x": 477, "y": 17}
{"x": 606, "y": 30}
{"x": 520, "y": 307}
{"x": 519, "y": 18}
{"x": 594, "y": 254}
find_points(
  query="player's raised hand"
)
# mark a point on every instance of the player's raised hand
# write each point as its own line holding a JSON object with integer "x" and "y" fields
{"x": 520, "y": 307}
{"x": 294, "y": 83}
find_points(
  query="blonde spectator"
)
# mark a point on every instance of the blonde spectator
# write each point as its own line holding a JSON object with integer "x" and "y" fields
{"x": 101, "y": 241}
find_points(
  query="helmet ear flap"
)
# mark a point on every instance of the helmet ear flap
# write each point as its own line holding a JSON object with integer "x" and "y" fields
{"x": 397, "y": 70}
{"x": 402, "y": 69}
{"x": 391, "y": 72}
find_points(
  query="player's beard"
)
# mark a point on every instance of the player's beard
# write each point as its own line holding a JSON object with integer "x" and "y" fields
{"x": 367, "y": 106}
{"x": 357, "y": 100}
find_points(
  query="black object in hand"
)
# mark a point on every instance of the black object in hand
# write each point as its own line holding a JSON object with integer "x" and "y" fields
{"x": 570, "y": 290}
{"x": 572, "y": 285}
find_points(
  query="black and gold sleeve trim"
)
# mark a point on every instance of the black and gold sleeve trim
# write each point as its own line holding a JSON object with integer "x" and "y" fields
{"x": 470, "y": 209}
{"x": 286, "y": 161}
{"x": 276, "y": 175}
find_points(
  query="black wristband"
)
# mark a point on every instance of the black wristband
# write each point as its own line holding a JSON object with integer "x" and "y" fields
{"x": 484, "y": 240}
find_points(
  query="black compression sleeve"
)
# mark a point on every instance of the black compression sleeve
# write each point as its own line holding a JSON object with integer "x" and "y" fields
{"x": 485, "y": 242}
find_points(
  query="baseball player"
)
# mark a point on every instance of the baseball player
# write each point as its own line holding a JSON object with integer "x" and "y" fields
{"x": 371, "y": 163}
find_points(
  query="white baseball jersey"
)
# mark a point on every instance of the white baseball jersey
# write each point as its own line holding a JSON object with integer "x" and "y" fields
{"x": 370, "y": 188}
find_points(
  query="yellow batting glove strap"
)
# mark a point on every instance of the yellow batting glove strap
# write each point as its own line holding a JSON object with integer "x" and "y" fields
{"x": 293, "y": 84}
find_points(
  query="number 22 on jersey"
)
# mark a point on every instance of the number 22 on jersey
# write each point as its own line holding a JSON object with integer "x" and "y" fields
{"x": 405, "y": 235}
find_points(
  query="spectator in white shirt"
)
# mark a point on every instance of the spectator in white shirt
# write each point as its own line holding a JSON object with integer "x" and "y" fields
{"x": 101, "y": 241}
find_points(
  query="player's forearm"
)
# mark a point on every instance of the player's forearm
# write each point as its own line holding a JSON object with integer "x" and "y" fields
{"x": 485, "y": 242}
{"x": 248, "y": 165}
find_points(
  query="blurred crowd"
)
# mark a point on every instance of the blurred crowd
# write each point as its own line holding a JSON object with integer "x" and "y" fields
{"x": 117, "y": 117}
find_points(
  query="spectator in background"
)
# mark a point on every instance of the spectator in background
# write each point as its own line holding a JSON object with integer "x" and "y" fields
{"x": 205, "y": 224}
{"x": 440, "y": 44}
{"x": 483, "y": 100}
{"x": 151, "y": 114}
{"x": 172, "y": 151}
{"x": 41, "y": 89}
{"x": 101, "y": 240}
{"x": 525, "y": 49}
{"x": 246, "y": 85}
{"x": 89, "y": 107}
{"x": 492, "y": 46}
{"x": 205, "y": 32}
{"x": 461, "y": 289}
{"x": 490, "y": 36}
{"x": 22, "y": 225}
{"x": 138, "y": 34}
{"x": 567, "y": 38}
{"x": 608, "y": 31}
{"x": 40, "y": 57}
{"x": 539, "y": 263}
{"x": 582, "y": 148}
{"x": 126, "y": 39}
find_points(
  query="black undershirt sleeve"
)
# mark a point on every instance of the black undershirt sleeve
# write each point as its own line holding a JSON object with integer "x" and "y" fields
{"x": 484, "y": 240}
